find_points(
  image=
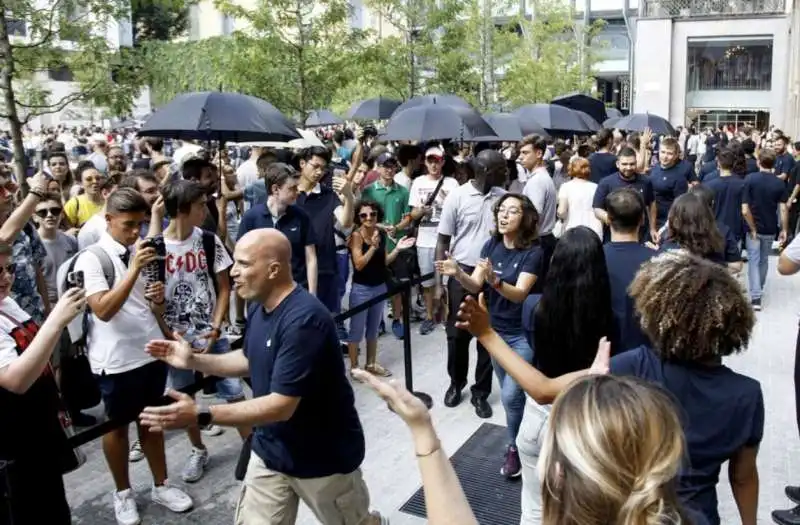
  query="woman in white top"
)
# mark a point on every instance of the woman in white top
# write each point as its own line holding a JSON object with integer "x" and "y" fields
{"x": 575, "y": 198}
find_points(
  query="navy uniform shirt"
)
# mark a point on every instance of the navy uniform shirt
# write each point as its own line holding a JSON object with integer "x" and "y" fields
{"x": 294, "y": 351}
{"x": 751, "y": 165}
{"x": 763, "y": 192}
{"x": 319, "y": 205}
{"x": 623, "y": 260}
{"x": 721, "y": 412}
{"x": 707, "y": 169}
{"x": 294, "y": 224}
{"x": 784, "y": 164}
{"x": 668, "y": 185}
{"x": 728, "y": 194}
{"x": 601, "y": 164}
{"x": 640, "y": 183}
{"x": 508, "y": 264}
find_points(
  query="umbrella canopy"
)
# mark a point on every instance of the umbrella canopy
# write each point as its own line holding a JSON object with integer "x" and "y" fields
{"x": 217, "y": 115}
{"x": 614, "y": 113}
{"x": 640, "y": 121}
{"x": 425, "y": 100}
{"x": 590, "y": 123}
{"x": 309, "y": 139}
{"x": 552, "y": 117}
{"x": 322, "y": 117}
{"x": 438, "y": 122}
{"x": 578, "y": 101}
{"x": 509, "y": 128}
{"x": 373, "y": 109}
{"x": 611, "y": 122}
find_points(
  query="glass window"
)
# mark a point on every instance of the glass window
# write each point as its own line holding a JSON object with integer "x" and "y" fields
{"x": 729, "y": 65}
{"x": 16, "y": 27}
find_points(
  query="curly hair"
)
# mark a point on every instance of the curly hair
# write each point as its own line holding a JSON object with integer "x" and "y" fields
{"x": 366, "y": 203}
{"x": 691, "y": 224}
{"x": 528, "y": 227}
{"x": 692, "y": 309}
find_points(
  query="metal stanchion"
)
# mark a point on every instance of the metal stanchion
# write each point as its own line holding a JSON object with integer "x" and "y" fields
{"x": 405, "y": 297}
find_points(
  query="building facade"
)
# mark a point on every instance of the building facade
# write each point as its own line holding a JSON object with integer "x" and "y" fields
{"x": 715, "y": 62}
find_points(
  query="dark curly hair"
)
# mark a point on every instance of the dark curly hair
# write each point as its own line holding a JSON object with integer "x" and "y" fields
{"x": 692, "y": 226}
{"x": 366, "y": 203}
{"x": 692, "y": 309}
{"x": 528, "y": 228}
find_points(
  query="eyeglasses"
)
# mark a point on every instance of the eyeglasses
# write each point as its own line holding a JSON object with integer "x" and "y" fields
{"x": 433, "y": 159}
{"x": 370, "y": 215}
{"x": 55, "y": 211}
{"x": 8, "y": 270}
{"x": 509, "y": 211}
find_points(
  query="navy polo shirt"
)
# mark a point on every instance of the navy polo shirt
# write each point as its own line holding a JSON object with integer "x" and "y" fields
{"x": 784, "y": 164}
{"x": 623, "y": 260}
{"x": 751, "y": 165}
{"x": 706, "y": 169}
{"x": 668, "y": 184}
{"x": 601, "y": 164}
{"x": 764, "y": 192}
{"x": 319, "y": 205}
{"x": 294, "y": 224}
{"x": 508, "y": 264}
{"x": 294, "y": 351}
{"x": 615, "y": 181}
{"x": 721, "y": 411}
{"x": 728, "y": 193}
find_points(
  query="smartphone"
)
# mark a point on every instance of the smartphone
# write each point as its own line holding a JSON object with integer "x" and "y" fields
{"x": 75, "y": 279}
{"x": 156, "y": 270}
{"x": 339, "y": 172}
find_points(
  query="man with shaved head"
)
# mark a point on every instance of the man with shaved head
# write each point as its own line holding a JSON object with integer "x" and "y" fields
{"x": 308, "y": 442}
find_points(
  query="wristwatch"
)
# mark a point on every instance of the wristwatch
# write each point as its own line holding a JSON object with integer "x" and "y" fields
{"x": 203, "y": 417}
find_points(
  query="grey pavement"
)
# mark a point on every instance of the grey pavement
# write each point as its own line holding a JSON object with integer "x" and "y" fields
{"x": 390, "y": 468}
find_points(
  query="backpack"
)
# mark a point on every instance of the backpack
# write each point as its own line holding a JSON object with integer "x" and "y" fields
{"x": 79, "y": 327}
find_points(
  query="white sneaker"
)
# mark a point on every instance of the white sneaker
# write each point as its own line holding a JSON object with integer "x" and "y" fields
{"x": 212, "y": 430}
{"x": 135, "y": 454}
{"x": 125, "y": 508}
{"x": 196, "y": 466}
{"x": 171, "y": 497}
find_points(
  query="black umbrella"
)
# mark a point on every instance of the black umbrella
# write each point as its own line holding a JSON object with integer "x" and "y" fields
{"x": 590, "y": 123}
{"x": 322, "y": 117}
{"x": 373, "y": 109}
{"x": 640, "y": 121}
{"x": 509, "y": 128}
{"x": 424, "y": 100}
{"x": 552, "y": 117}
{"x": 216, "y": 115}
{"x": 438, "y": 122}
{"x": 611, "y": 122}
{"x": 578, "y": 101}
{"x": 614, "y": 113}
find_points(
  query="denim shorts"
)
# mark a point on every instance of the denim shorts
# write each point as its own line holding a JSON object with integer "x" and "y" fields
{"x": 228, "y": 389}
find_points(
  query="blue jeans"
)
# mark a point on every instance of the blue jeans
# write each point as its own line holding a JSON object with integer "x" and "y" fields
{"x": 529, "y": 443}
{"x": 228, "y": 389}
{"x": 369, "y": 320}
{"x": 511, "y": 393}
{"x": 757, "y": 262}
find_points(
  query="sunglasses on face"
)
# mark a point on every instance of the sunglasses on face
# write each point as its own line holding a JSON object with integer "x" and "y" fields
{"x": 8, "y": 270}
{"x": 55, "y": 211}
{"x": 370, "y": 215}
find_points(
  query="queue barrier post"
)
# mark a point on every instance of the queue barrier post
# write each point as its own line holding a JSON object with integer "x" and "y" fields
{"x": 405, "y": 296}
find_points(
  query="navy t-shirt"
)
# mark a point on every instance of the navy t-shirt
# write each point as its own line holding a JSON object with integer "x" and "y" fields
{"x": 623, "y": 260}
{"x": 639, "y": 183}
{"x": 751, "y": 165}
{"x": 601, "y": 164}
{"x": 668, "y": 185}
{"x": 764, "y": 192}
{"x": 721, "y": 411}
{"x": 706, "y": 169}
{"x": 320, "y": 206}
{"x": 784, "y": 164}
{"x": 294, "y": 351}
{"x": 508, "y": 264}
{"x": 294, "y": 224}
{"x": 728, "y": 193}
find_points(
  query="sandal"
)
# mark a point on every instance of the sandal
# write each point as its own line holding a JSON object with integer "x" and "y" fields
{"x": 377, "y": 370}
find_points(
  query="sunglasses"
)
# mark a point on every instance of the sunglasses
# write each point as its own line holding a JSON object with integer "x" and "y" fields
{"x": 9, "y": 270}
{"x": 370, "y": 215}
{"x": 55, "y": 211}
{"x": 433, "y": 159}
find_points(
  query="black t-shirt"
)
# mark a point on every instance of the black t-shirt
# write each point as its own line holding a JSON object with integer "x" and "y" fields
{"x": 728, "y": 192}
{"x": 623, "y": 260}
{"x": 374, "y": 272}
{"x": 320, "y": 207}
{"x": 640, "y": 183}
{"x": 602, "y": 164}
{"x": 294, "y": 351}
{"x": 668, "y": 184}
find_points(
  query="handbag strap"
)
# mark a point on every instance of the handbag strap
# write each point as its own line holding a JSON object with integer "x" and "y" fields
{"x": 429, "y": 202}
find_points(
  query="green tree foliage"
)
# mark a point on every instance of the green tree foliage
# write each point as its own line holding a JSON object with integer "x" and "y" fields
{"x": 161, "y": 20}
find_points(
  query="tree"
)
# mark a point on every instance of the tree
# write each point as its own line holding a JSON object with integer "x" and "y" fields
{"x": 63, "y": 37}
{"x": 551, "y": 56}
{"x": 161, "y": 20}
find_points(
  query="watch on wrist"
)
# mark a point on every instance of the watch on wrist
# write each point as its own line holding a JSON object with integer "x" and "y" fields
{"x": 204, "y": 417}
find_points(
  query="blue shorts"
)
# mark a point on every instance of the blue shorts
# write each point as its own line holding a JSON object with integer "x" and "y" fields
{"x": 228, "y": 389}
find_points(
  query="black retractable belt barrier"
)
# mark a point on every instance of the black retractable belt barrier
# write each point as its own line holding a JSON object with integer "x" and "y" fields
{"x": 403, "y": 288}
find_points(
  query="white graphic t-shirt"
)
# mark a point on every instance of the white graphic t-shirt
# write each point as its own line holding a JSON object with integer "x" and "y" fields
{"x": 421, "y": 190}
{"x": 190, "y": 293}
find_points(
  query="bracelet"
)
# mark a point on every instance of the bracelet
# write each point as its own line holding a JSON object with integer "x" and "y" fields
{"x": 36, "y": 193}
{"x": 436, "y": 448}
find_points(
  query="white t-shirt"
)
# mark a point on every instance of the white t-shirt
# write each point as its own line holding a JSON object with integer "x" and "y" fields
{"x": 92, "y": 230}
{"x": 8, "y": 344}
{"x": 117, "y": 345}
{"x": 402, "y": 179}
{"x": 579, "y": 195}
{"x": 421, "y": 189}
{"x": 190, "y": 293}
{"x": 247, "y": 173}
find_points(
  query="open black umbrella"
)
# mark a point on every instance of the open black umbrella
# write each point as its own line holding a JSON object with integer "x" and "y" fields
{"x": 611, "y": 122}
{"x": 581, "y": 102}
{"x": 373, "y": 109}
{"x": 509, "y": 128}
{"x": 424, "y": 100}
{"x": 217, "y": 115}
{"x": 552, "y": 117}
{"x": 322, "y": 117}
{"x": 587, "y": 119}
{"x": 640, "y": 121}
{"x": 438, "y": 122}
{"x": 614, "y": 113}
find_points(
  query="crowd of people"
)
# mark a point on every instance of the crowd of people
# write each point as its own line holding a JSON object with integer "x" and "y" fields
{"x": 600, "y": 276}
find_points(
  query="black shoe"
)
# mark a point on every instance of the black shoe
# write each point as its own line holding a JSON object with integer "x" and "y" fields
{"x": 79, "y": 419}
{"x": 453, "y": 396}
{"x": 482, "y": 407}
{"x": 756, "y": 304}
{"x": 793, "y": 493}
{"x": 787, "y": 517}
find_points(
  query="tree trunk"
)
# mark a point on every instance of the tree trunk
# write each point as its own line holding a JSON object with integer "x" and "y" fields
{"x": 10, "y": 100}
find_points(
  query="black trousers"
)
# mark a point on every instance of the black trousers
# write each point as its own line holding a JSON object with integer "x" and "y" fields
{"x": 458, "y": 346}
{"x": 32, "y": 493}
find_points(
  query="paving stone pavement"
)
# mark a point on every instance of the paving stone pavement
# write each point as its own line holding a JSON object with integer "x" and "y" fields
{"x": 390, "y": 469}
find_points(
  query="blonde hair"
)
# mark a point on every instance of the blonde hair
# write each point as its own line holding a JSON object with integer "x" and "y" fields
{"x": 611, "y": 455}
{"x": 579, "y": 169}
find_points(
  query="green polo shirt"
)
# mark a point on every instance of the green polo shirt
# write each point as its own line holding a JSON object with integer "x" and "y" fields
{"x": 394, "y": 201}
